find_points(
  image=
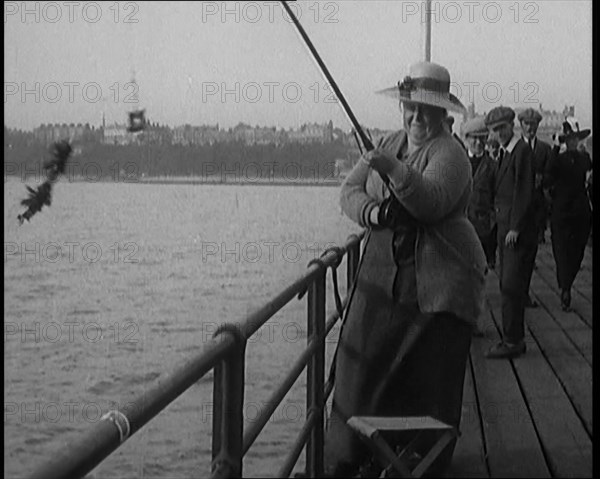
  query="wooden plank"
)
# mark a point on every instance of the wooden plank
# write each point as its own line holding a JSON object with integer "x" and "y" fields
{"x": 567, "y": 445}
{"x": 469, "y": 455}
{"x": 582, "y": 307}
{"x": 569, "y": 365}
{"x": 513, "y": 449}
{"x": 581, "y": 291}
{"x": 574, "y": 327}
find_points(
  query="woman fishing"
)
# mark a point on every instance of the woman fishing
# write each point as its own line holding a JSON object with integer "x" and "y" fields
{"x": 423, "y": 264}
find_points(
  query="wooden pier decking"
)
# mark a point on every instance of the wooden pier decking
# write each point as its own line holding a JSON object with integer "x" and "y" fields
{"x": 532, "y": 416}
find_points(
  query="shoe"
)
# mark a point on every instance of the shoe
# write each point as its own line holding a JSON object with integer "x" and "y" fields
{"x": 504, "y": 350}
{"x": 565, "y": 300}
{"x": 530, "y": 303}
{"x": 477, "y": 333}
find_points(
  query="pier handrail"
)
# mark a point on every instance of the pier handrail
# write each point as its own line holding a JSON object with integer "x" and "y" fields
{"x": 225, "y": 353}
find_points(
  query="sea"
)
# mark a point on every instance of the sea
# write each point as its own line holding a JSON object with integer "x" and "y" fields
{"x": 117, "y": 283}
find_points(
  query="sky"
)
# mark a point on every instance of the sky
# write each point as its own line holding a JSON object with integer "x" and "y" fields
{"x": 229, "y": 62}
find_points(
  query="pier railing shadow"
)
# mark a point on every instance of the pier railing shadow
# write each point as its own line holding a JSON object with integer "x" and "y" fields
{"x": 225, "y": 353}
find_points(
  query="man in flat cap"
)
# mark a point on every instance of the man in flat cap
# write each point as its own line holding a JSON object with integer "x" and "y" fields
{"x": 517, "y": 234}
{"x": 481, "y": 211}
{"x": 530, "y": 120}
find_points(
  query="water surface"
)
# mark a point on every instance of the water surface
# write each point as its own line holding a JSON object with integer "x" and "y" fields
{"x": 118, "y": 283}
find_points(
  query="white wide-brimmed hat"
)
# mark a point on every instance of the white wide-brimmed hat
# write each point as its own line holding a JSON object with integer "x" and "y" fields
{"x": 427, "y": 83}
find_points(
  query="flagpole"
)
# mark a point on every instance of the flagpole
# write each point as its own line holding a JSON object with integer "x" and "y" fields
{"x": 427, "y": 31}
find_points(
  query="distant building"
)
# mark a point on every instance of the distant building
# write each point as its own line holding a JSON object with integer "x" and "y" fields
{"x": 79, "y": 133}
{"x": 312, "y": 133}
{"x": 196, "y": 135}
{"x": 155, "y": 134}
{"x": 116, "y": 134}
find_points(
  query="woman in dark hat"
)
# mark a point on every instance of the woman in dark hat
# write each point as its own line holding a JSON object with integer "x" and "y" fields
{"x": 428, "y": 270}
{"x": 571, "y": 215}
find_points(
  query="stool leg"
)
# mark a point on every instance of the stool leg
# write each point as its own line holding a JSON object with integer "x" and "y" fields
{"x": 414, "y": 444}
{"x": 385, "y": 454}
{"x": 433, "y": 453}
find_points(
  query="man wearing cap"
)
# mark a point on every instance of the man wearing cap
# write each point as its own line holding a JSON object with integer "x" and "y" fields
{"x": 517, "y": 235}
{"x": 481, "y": 207}
{"x": 530, "y": 120}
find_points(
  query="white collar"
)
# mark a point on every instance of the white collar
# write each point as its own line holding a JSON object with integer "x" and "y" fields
{"x": 511, "y": 144}
{"x": 531, "y": 142}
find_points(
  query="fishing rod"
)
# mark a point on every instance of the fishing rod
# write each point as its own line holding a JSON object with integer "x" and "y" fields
{"x": 368, "y": 144}
{"x": 392, "y": 211}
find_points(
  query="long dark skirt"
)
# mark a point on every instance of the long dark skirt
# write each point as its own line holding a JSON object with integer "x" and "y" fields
{"x": 369, "y": 379}
{"x": 569, "y": 238}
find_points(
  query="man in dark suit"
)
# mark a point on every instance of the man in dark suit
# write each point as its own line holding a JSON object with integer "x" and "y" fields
{"x": 517, "y": 234}
{"x": 481, "y": 211}
{"x": 530, "y": 120}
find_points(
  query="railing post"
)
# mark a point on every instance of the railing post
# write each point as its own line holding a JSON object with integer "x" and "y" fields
{"x": 352, "y": 262}
{"x": 228, "y": 404}
{"x": 315, "y": 394}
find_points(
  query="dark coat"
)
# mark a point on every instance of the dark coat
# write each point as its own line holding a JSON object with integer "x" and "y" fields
{"x": 514, "y": 191}
{"x": 565, "y": 176}
{"x": 514, "y": 211}
{"x": 481, "y": 207}
{"x": 541, "y": 157}
{"x": 571, "y": 216}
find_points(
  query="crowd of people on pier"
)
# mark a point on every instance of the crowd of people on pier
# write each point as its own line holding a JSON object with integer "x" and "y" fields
{"x": 529, "y": 182}
{"x": 433, "y": 237}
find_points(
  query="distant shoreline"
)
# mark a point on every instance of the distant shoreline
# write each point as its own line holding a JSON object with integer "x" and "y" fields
{"x": 190, "y": 180}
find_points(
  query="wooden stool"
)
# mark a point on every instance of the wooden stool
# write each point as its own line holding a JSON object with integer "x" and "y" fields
{"x": 370, "y": 429}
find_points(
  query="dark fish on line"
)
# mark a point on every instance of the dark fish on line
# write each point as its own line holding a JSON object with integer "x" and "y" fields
{"x": 56, "y": 165}
{"x": 42, "y": 196}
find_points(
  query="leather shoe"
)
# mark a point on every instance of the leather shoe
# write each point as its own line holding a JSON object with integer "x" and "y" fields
{"x": 565, "y": 300}
{"x": 530, "y": 303}
{"x": 477, "y": 333}
{"x": 504, "y": 350}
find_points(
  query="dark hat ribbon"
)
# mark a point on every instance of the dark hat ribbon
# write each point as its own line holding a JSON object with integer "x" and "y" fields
{"x": 409, "y": 85}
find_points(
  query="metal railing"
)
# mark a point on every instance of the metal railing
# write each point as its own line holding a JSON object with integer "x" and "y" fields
{"x": 225, "y": 352}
